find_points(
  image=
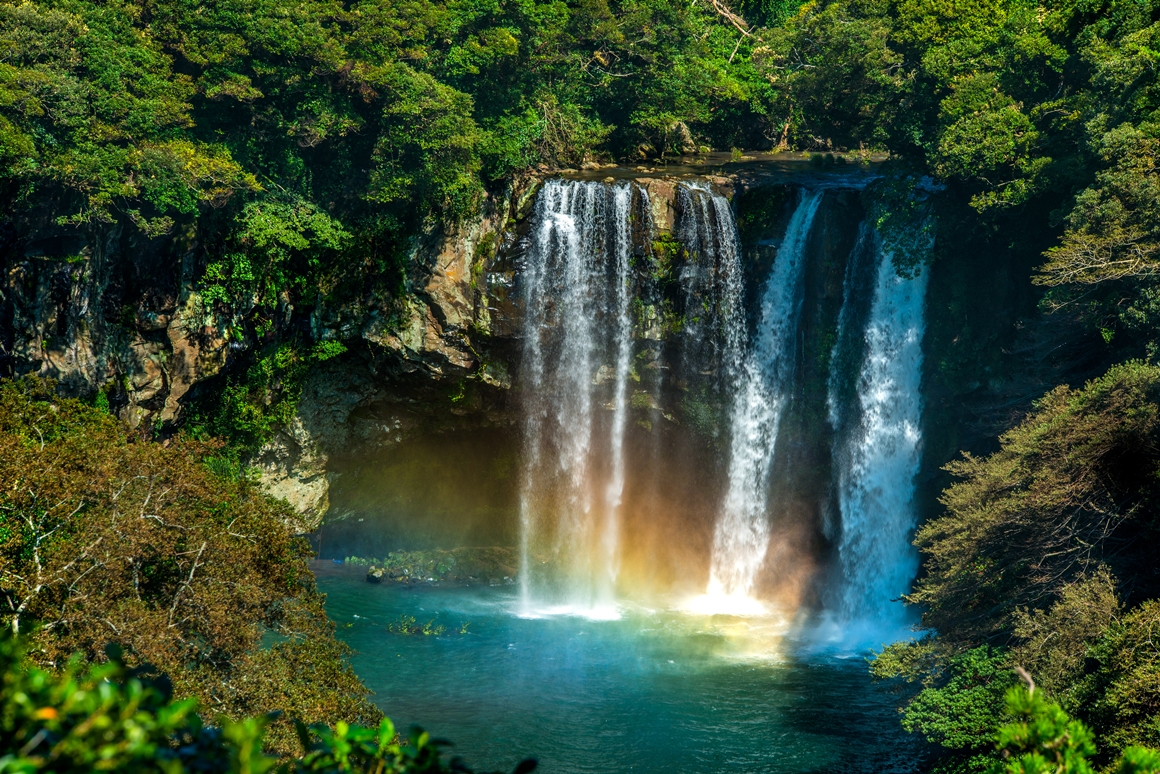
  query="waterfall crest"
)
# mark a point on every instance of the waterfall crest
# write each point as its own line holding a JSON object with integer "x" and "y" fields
{"x": 577, "y": 298}
{"x": 765, "y": 376}
{"x": 877, "y": 458}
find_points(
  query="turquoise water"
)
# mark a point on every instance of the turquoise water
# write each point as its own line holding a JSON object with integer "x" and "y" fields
{"x": 654, "y": 691}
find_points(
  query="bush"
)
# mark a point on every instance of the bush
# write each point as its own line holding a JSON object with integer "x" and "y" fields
{"x": 104, "y": 537}
{"x": 109, "y": 717}
{"x": 1043, "y": 738}
{"x": 1072, "y": 488}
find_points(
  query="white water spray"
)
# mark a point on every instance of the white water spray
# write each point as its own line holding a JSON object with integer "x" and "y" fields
{"x": 840, "y": 353}
{"x": 576, "y": 292}
{"x": 713, "y": 334}
{"x": 621, "y": 249}
{"x": 742, "y": 534}
{"x": 879, "y": 457}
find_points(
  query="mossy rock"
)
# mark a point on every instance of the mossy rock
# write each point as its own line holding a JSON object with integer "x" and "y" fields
{"x": 467, "y": 566}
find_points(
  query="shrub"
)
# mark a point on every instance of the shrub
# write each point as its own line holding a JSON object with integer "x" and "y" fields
{"x": 109, "y": 717}
{"x": 108, "y": 538}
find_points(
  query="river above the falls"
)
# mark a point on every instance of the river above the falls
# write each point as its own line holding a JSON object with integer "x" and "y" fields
{"x": 655, "y": 690}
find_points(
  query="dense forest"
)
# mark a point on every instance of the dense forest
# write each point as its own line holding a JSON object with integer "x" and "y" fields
{"x": 303, "y": 146}
{"x": 306, "y": 144}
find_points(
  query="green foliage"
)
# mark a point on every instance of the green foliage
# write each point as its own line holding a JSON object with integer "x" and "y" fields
{"x": 1118, "y": 693}
{"x": 1070, "y": 486}
{"x": 1055, "y": 643}
{"x": 251, "y": 407}
{"x": 110, "y": 717}
{"x": 902, "y": 219}
{"x": 1014, "y": 107}
{"x": 406, "y": 624}
{"x": 761, "y": 211}
{"x": 279, "y": 247}
{"x": 292, "y": 153}
{"x": 169, "y": 110}
{"x": 327, "y": 350}
{"x": 1043, "y": 738}
{"x": 964, "y": 711}
{"x": 101, "y": 401}
{"x": 1028, "y": 552}
{"x": 910, "y": 660}
{"x": 703, "y": 411}
{"x": 833, "y": 79}
{"x": 104, "y": 717}
{"x": 309, "y": 144}
{"x": 104, "y": 537}
{"x": 561, "y": 134}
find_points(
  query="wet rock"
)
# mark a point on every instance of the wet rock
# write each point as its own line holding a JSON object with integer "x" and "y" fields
{"x": 490, "y": 566}
{"x": 111, "y": 310}
{"x": 662, "y": 198}
{"x": 680, "y": 135}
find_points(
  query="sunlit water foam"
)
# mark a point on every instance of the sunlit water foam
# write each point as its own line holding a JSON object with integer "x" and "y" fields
{"x": 741, "y": 537}
{"x": 827, "y": 634}
{"x": 740, "y": 629}
{"x": 721, "y": 603}
{"x": 592, "y": 613}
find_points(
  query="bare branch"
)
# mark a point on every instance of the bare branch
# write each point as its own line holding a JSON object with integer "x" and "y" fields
{"x": 740, "y": 24}
{"x": 186, "y": 584}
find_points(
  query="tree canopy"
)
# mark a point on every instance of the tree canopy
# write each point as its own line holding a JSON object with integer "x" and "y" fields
{"x": 166, "y": 552}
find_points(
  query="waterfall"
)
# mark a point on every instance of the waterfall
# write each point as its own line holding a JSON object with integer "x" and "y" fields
{"x": 877, "y": 458}
{"x": 576, "y": 295}
{"x": 713, "y": 335}
{"x": 622, "y": 246}
{"x": 845, "y": 348}
{"x": 578, "y": 286}
{"x": 765, "y": 381}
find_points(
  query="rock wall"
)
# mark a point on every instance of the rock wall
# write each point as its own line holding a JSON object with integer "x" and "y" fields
{"x": 106, "y": 309}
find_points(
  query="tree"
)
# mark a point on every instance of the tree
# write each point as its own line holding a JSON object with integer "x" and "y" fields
{"x": 108, "y": 538}
{"x": 1071, "y": 488}
{"x": 1042, "y": 738}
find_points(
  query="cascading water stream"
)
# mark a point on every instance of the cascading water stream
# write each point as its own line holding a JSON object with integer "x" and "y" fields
{"x": 622, "y": 246}
{"x": 845, "y": 347}
{"x": 713, "y": 336}
{"x": 742, "y": 533}
{"x": 576, "y": 295}
{"x": 578, "y": 341}
{"x": 878, "y": 458}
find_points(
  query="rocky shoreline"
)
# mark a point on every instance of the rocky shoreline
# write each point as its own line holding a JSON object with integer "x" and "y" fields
{"x": 490, "y": 566}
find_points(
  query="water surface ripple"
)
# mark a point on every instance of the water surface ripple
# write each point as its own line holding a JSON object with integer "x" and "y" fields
{"x": 654, "y": 691}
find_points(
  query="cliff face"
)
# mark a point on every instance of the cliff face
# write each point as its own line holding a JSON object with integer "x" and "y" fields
{"x": 106, "y": 309}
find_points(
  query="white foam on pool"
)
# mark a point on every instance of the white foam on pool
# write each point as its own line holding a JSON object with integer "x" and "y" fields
{"x": 591, "y": 613}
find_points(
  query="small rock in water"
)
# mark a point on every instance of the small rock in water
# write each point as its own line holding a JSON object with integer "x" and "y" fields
{"x": 375, "y": 575}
